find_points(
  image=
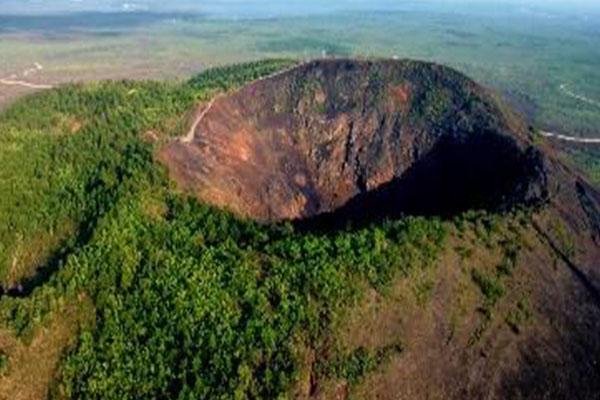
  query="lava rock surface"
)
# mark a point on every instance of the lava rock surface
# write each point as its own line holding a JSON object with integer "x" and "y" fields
{"x": 348, "y": 139}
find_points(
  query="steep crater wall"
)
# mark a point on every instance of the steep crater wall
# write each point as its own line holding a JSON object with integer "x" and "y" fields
{"x": 348, "y": 139}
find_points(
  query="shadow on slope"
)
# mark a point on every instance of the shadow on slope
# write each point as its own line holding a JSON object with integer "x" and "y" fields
{"x": 485, "y": 172}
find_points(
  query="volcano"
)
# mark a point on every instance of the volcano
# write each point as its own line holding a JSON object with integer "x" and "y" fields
{"x": 348, "y": 140}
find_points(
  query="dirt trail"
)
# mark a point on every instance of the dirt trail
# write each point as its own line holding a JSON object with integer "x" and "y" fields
{"x": 565, "y": 89}
{"x": 30, "y": 85}
{"x": 13, "y": 81}
{"x": 189, "y": 136}
{"x": 570, "y": 93}
{"x": 570, "y": 138}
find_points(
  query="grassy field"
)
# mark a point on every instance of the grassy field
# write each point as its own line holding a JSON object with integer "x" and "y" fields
{"x": 527, "y": 57}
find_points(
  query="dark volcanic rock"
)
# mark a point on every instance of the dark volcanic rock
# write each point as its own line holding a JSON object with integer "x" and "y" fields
{"x": 358, "y": 139}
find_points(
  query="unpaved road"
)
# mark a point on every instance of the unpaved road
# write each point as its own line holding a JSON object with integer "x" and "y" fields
{"x": 189, "y": 137}
{"x": 570, "y": 138}
{"x": 13, "y": 81}
{"x": 565, "y": 89}
{"x": 24, "y": 84}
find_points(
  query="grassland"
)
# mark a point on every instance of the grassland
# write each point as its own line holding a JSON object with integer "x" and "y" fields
{"x": 525, "y": 57}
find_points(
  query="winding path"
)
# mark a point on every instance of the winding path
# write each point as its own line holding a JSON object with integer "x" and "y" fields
{"x": 30, "y": 85}
{"x": 13, "y": 81}
{"x": 574, "y": 139}
{"x": 189, "y": 136}
{"x": 570, "y": 93}
{"x": 570, "y": 138}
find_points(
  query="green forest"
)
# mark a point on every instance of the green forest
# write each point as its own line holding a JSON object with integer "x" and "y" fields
{"x": 188, "y": 301}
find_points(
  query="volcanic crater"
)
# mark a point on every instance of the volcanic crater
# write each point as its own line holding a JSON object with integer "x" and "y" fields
{"x": 358, "y": 140}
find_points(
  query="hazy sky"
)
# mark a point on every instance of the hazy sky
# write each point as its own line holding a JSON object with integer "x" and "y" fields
{"x": 277, "y": 7}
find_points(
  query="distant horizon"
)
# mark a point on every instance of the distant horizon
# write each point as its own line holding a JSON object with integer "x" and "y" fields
{"x": 265, "y": 8}
{"x": 530, "y": 53}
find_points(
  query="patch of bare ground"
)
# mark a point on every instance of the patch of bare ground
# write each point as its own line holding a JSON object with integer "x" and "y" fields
{"x": 32, "y": 365}
{"x": 68, "y": 124}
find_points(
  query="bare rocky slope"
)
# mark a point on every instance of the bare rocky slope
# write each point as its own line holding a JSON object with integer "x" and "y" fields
{"x": 369, "y": 137}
